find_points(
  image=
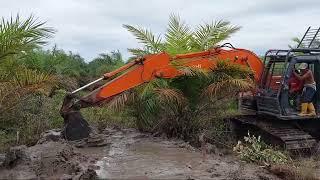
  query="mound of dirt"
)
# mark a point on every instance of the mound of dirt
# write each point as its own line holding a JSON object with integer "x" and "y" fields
{"x": 51, "y": 158}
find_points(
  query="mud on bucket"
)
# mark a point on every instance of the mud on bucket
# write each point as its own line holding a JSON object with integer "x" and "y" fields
{"x": 75, "y": 126}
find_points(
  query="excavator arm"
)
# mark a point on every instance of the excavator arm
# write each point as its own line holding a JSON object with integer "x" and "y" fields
{"x": 160, "y": 65}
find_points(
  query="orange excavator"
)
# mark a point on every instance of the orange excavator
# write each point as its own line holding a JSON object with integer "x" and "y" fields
{"x": 272, "y": 107}
{"x": 146, "y": 69}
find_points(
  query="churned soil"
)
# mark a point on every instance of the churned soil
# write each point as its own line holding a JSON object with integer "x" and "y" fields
{"x": 123, "y": 154}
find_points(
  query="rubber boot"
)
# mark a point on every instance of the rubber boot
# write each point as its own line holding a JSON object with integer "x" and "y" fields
{"x": 311, "y": 110}
{"x": 304, "y": 108}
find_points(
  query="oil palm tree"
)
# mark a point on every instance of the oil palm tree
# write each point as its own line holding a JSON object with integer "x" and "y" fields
{"x": 295, "y": 41}
{"x": 17, "y": 37}
{"x": 179, "y": 99}
{"x": 180, "y": 38}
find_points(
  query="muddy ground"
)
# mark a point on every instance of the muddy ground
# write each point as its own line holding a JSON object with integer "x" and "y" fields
{"x": 124, "y": 154}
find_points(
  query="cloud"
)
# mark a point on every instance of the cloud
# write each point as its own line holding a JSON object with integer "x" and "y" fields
{"x": 95, "y": 26}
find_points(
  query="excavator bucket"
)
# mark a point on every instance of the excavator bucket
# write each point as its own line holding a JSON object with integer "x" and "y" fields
{"x": 75, "y": 126}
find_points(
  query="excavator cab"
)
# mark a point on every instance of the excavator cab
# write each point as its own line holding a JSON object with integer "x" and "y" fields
{"x": 279, "y": 92}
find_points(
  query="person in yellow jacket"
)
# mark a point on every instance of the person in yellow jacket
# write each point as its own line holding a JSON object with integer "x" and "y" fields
{"x": 309, "y": 90}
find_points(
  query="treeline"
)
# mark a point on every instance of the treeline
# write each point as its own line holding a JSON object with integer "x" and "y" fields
{"x": 67, "y": 64}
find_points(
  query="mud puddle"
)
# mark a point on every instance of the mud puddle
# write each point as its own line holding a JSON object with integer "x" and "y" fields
{"x": 132, "y": 155}
{"x": 127, "y": 155}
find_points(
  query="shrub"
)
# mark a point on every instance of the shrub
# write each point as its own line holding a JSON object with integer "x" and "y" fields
{"x": 31, "y": 116}
{"x": 256, "y": 151}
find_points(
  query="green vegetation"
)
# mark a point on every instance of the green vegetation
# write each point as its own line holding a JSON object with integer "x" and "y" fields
{"x": 185, "y": 105}
{"x": 34, "y": 81}
{"x": 180, "y": 38}
{"x": 256, "y": 151}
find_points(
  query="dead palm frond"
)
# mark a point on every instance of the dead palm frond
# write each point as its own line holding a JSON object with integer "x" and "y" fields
{"x": 228, "y": 79}
{"x": 227, "y": 87}
{"x": 119, "y": 101}
{"x": 168, "y": 96}
{"x": 23, "y": 82}
{"x": 34, "y": 80}
{"x": 192, "y": 71}
{"x": 231, "y": 69}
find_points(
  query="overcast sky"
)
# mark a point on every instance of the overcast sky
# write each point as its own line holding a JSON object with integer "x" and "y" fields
{"x": 90, "y": 27}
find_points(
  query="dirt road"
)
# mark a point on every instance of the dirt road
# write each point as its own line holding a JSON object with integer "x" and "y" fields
{"x": 128, "y": 155}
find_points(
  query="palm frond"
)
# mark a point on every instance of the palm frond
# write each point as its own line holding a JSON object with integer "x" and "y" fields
{"x": 178, "y": 36}
{"x": 119, "y": 101}
{"x": 295, "y": 41}
{"x": 9, "y": 96}
{"x": 192, "y": 71}
{"x": 210, "y": 34}
{"x": 34, "y": 80}
{"x": 227, "y": 87}
{"x": 18, "y": 35}
{"x": 23, "y": 82}
{"x": 138, "y": 52}
{"x": 227, "y": 79}
{"x": 146, "y": 37}
{"x": 148, "y": 89}
{"x": 224, "y": 67}
{"x": 170, "y": 96}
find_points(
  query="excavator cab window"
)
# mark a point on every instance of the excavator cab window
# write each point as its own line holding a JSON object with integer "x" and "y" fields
{"x": 273, "y": 77}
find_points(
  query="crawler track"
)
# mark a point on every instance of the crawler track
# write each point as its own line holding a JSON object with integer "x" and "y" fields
{"x": 281, "y": 133}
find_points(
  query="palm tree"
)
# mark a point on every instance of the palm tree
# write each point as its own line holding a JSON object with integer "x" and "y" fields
{"x": 17, "y": 38}
{"x": 295, "y": 41}
{"x": 180, "y": 38}
{"x": 181, "y": 100}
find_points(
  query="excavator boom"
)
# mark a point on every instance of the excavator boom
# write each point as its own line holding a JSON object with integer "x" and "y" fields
{"x": 160, "y": 65}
